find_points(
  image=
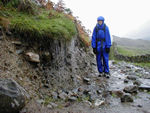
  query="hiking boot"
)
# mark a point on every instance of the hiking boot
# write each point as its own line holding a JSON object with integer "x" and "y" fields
{"x": 100, "y": 74}
{"x": 107, "y": 75}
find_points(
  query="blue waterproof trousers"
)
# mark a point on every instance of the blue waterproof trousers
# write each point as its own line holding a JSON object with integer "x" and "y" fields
{"x": 102, "y": 59}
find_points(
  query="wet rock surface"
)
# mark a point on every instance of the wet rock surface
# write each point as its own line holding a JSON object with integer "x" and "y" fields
{"x": 144, "y": 87}
{"x": 126, "y": 98}
{"x": 128, "y": 78}
{"x": 65, "y": 78}
{"x": 12, "y": 98}
{"x": 102, "y": 95}
{"x": 131, "y": 89}
{"x": 70, "y": 81}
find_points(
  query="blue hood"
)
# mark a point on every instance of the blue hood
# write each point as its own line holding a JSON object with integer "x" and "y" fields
{"x": 100, "y": 18}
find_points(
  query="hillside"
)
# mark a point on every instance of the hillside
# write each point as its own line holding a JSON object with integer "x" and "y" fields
{"x": 133, "y": 43}
{"x": 132, "y": 47}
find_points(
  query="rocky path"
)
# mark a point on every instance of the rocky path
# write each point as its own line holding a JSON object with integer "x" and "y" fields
{"x": 132, "y": 81}
{"x": 126, "y": 91}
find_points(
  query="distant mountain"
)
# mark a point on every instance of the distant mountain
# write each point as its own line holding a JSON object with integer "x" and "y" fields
{"x": 141, "y": 33}
{"x": 132, "y": 43}
{"x": 146, "y": 38}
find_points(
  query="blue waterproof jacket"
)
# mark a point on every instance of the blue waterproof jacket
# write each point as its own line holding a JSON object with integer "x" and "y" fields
{"x": 100, "y": 34}
{"x": 101, "y": 40}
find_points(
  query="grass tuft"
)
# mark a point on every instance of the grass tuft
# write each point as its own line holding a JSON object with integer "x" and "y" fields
{"x": 40, "y": 26}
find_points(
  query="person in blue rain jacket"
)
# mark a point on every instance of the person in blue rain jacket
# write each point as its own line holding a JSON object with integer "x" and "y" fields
{"x": 101, "y": 43}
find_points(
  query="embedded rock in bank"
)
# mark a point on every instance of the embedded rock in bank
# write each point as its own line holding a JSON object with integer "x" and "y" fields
{"x": 33, "y": 57}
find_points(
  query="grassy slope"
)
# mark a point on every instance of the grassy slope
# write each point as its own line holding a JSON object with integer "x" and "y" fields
{"x": 39, "y": 26}
{"x": 143, "y": 64}
{"x": 131, "y": 51}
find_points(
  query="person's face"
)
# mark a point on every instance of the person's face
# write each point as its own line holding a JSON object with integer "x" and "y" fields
{"x": 100, "y": 22}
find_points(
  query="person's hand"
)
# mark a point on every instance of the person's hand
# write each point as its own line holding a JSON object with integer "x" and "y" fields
{"x": 94, "y": 51}
{"x": 107, "y": 50}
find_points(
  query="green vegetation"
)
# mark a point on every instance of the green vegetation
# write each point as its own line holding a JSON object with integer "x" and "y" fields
{"x": 79, "y": 99}
{"x": 125, "y": 51}
{"x": 48, "y": 100}
{"x": 114, "y": 95}
{"x": 143, "y": 64}
{"x": 13, "y": 3}
{"x": 43, "y": 25}
{"x": 111, "y": 55}
{"x": 85, "y": 98}
{"x": 131, "y": 51}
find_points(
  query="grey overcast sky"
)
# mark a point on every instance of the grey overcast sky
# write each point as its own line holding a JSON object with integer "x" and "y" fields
{"x": 121, "y": 16}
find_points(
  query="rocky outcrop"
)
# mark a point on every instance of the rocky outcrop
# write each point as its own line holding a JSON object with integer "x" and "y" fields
{"x": 64, "y": 61}
{"x": 12, "y": 98}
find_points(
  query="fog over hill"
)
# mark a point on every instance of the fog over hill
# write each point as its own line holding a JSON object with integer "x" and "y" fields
{"x": 141, "y": 33}
{"x": 134, "y": 43}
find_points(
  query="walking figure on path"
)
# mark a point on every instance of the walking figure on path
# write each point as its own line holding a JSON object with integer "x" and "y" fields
{"x": 101, "y": 43}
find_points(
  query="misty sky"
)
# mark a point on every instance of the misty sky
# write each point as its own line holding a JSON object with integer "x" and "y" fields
{"x": 122, "y": 16}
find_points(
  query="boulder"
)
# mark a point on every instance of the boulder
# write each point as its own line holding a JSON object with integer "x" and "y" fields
{"x": 63, "y": 96}
{"x": 99, "y": 102}
{"x": 137, "y": 82}
{"x": 53, "y": 105}
{"x": 126, "y": 98}
{"x": 17, "y": 43}
{"x": 1, "y": 37}
{"x": 144, "y": 87}
{"x": 54, "y": 95}
{"x": 12, "y": 98}
{"x": 118, "y": 93}
{"x": 86, "y": 80}
{"x": 126, "y": 80}
{"x": 131, "y": 89}
{"x": 132, "y": 77}
{"x": 20, "y": 51}
{"x": 33, "y": 57}
{"x": 72, "y": 98}
{"x": 40, "y": 101}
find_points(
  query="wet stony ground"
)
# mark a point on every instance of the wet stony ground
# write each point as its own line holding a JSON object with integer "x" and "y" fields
{"x": 126, "y": 75}
{"x": 126, "y": 91}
